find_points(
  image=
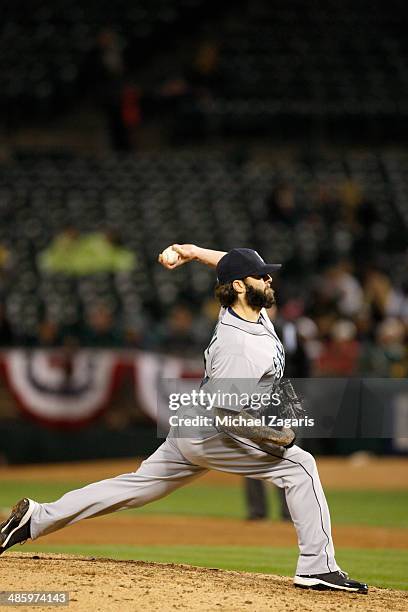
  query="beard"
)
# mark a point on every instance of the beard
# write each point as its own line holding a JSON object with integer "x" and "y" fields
{"x": 257, "y": 299}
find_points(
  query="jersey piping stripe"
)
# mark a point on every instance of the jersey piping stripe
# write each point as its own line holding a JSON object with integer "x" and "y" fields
{"x": 211, "y": 343}
{"x": 270, "y": 335}
{"x": 246, "y": 331}
{"x": 311, "y": 478}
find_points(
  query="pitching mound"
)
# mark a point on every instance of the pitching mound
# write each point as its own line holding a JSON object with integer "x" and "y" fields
{"x": 105, "y": 584}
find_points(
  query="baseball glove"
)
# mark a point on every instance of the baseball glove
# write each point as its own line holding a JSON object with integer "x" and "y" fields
{"x": 291, "y": 405}
{"x": 244, "y": 424}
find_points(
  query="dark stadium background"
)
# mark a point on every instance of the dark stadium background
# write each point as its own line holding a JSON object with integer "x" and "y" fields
{"x": 128, "y": 126}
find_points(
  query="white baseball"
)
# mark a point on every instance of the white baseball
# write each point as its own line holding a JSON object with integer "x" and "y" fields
{"x": 169, "y": 255}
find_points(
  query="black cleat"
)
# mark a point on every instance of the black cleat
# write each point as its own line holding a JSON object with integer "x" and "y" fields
{"x": 16, "y": 529}
{"x": 333, "y": 581}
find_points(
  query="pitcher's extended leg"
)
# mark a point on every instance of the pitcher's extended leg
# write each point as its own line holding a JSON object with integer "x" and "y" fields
{"x": 163, "y": 472}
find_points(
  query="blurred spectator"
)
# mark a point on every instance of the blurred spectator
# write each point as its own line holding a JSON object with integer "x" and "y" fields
{"x": 328, "y": 205}
{"x": 177, "y": 334}
{"x": 369, "y": 233}
{"x": 365, "y": 325}
{"x": 351, "y": 198}
{"x": 322, "y": 309}
{"x": 308, "y": 333}
{"x": 60, "y": 255}
{"x": 132, "y": 337}
{"x": 106, "y": 66}
{"x": 177, "y": 102}
{"x": 48, "y": 334}
{"x": 131, "y": 113}
{"x": 203, "y": 75}
{"x": 70, "y": 253}
{"x": 207, "y": 319}
{"x": 388, "y": 357}
{"x": 187, "y": 91}
{"x": 108, "y": 245}
{"x": 282, "y": 206}
{"x": 297, "y": 363}
{"x": 339, "y": 355}
{"x": 5, "y": 260}
{"x": 101, "y": 330}
{"x": 340, "y": 286}
{"x": 6, "y": 333}
{"x": 382, "y": 299}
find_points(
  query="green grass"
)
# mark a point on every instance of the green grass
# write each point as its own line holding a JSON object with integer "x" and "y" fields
{"x": 371, "y": 508}
{"x": 375, "y": 508}
{"x": 381, "y": 567}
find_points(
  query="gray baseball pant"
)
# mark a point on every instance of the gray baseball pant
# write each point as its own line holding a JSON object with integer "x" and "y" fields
{"x": 178, "y": 461}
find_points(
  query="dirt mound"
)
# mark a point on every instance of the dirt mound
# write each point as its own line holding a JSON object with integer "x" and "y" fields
{"x": 105, "y": 584}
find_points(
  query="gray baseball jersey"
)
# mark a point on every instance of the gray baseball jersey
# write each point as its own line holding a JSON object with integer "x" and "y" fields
{"x": 242, "y": 350}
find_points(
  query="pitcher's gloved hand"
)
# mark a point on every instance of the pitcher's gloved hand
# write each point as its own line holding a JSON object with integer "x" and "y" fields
{"x": 291, "y": 405}
{"x": 245, "y": 424}
{"x": 291, "y": 443}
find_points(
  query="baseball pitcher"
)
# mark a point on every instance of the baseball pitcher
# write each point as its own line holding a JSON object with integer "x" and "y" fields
{"x": 244, "y": 347}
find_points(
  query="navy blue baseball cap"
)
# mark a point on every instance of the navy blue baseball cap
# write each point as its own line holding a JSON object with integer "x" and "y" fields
{"x": 240, "y": 263}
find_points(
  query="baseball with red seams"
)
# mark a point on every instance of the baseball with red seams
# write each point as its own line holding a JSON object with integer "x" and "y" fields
{"x": 169, "y": 255}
